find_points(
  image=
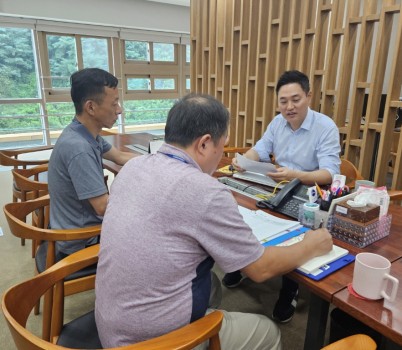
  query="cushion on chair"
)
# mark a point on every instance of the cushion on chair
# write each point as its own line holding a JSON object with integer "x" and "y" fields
{"x": 80, "y": 333}
{"x": 40, "y": 260}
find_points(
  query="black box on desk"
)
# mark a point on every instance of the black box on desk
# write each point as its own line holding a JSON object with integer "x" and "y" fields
{"x": 365, "y": 214}
{"x": 357, "y": 233}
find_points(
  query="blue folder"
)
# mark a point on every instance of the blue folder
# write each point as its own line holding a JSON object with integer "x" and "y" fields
{"x": 326, "y": 270}
{"x": 322, "y": 271}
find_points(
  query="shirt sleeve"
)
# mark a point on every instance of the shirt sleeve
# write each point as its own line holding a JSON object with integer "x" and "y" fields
{"x": 105, "y": 146}
{"x": 264, "y": 146}
{"x": 228, "y": 239}
{"x": 329, "y": 150}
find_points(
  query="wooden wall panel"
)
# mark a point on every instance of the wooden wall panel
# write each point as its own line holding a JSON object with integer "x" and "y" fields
{"x": 240, "y": 48}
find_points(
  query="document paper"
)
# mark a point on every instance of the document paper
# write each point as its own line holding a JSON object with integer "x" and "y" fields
{"x": 266, "y": 226}
{"x": 253, "y": 166}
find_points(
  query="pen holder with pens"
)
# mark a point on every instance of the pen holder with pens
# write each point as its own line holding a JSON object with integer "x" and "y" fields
{"x": 325, "y": 201}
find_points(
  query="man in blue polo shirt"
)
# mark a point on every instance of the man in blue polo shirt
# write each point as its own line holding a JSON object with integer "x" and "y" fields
{"x": 78, "y": 193}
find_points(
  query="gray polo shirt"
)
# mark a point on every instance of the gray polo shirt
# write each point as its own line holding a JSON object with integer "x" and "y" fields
{"x": 75, "y": 175}
{"x": 165, "y": 224}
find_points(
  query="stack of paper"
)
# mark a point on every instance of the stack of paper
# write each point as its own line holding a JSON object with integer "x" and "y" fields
{"x": 254, "y": 166}
{"x": 266, "y": 226}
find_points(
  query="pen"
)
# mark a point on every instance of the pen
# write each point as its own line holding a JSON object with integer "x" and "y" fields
{"x": 321, "y": 225}
{"x": 318, "y": 189}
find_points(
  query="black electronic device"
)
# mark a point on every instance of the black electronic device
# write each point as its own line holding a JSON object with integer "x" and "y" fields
{"x": 288, "y": 200}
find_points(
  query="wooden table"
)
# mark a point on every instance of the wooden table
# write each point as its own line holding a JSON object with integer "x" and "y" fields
{"x": 120, "y": 141}
{"x": 383, "y": 316}
{"x": 323, "y": 292}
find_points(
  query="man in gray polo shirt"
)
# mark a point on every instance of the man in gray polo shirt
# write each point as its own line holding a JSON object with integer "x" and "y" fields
{"x": 167, "y": 222}
{"x": 78, "y": 193}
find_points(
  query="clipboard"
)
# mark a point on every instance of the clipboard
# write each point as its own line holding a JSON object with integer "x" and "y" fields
{"x": 326, "y": 270}
{"x": 321, "y": 272}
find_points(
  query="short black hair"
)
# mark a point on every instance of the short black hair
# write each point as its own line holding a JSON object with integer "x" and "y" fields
{"x": 89, "y": 84}
{"x": 193, "y": 116}
{"x": 293, "y": 76}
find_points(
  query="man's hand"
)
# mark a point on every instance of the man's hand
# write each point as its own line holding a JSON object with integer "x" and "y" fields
{"x": 283, "y": 173}
{"x": 319, "y": 241}
{"x": 236, "y": 165}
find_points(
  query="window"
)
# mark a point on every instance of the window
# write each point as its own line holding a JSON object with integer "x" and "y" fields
{"x": 20, "y": 118}
{"x": 164, "y": 84}
{"x": 147, "y": 111}
{"x": 95, "y": 53}
{"x": 164, "y": 52}
{"x": 18, "y": 73}
{"x": 60, "y": 115}
{"x": 150, "y": 73}
{"x": 140, "y": 51}
{"x": 188, "y": 54}
{"x": 62, "y": 59}
{"x": 137, "y": 51}
{"x": 139, "y": 84}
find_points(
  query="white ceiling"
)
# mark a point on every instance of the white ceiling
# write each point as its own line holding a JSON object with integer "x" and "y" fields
{"x": 174, "y": 2}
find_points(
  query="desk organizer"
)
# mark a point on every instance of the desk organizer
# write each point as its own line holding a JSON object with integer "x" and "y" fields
{"x": 359, "y": 234}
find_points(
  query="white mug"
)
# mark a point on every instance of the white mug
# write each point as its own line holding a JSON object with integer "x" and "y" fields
{"x": 370, "y": 277}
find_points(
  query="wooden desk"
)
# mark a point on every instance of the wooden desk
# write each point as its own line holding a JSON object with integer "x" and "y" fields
{"x": 120, "y": 141}
{"x": 383, "y": 316}
{"x": 322, "y": 292}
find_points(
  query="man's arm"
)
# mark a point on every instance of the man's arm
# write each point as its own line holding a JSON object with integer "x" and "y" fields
{"x": 276, "y": 261}
{"x": 321, "y": 176}
{"x": 99, "y": 203}
{"x": 118, "y": 156}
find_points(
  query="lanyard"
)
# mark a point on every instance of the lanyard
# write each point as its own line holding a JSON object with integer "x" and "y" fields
{"x": 174, "y": 157}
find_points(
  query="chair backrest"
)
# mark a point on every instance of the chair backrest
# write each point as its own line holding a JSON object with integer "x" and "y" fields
{"x": 353, "y": 342}
{"x": 27, "y": 182}
{"x": 350, "y": 171}
{"x": 19, "y": 300}
{"x": 231, "y": 151}
{"x": 16, "y": 214}
{"x": 10, "y": 157}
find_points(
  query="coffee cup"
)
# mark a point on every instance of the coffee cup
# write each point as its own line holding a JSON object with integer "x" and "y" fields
{"x": 371, "y": 277}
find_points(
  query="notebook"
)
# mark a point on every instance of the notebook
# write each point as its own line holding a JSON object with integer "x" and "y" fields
{"x": 314, "y": 264}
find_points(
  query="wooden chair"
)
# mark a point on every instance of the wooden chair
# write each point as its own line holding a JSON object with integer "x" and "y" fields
{"x": 231, "y": 151}
{"x": 26, "y": 182}
{"x": 350, "y": 171}
{"x": 19, "y": 300}
{"x": 16, "y": 214}
{"x": 353, "y": 342}
{"x": 9, "y": 157}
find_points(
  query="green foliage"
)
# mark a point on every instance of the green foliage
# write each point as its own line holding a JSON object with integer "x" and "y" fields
{"x": 17, "y": 64}
{"x": 62, "y": 59}
{"x": 147, "y": 112}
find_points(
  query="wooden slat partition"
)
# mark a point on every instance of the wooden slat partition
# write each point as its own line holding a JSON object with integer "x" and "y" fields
{"x": 350, "y": 49}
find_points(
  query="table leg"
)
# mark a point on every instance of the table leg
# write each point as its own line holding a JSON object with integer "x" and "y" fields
{"x": 316, "y": 323}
